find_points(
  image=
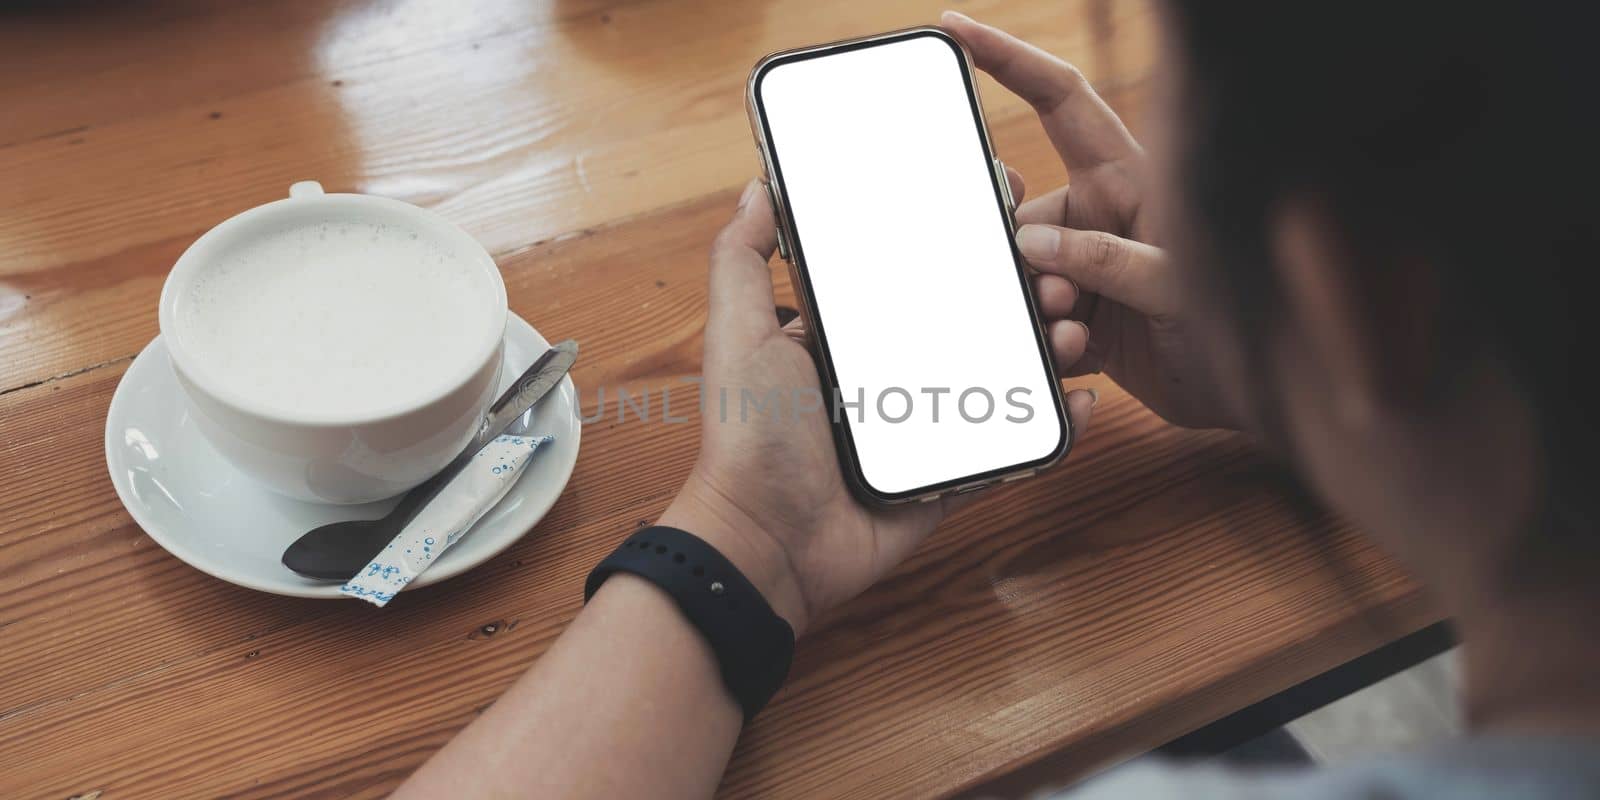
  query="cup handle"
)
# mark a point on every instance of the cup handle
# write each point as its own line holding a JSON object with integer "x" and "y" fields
{"x": 305, "y": 189}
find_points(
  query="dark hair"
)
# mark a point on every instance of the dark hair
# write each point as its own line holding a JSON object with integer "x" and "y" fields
{"x": 1459, "y": 135}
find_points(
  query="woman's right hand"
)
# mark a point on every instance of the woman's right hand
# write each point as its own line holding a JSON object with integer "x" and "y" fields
{"x": 1112, "y": 299}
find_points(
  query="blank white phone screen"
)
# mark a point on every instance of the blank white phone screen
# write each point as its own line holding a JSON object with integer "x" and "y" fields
{"x": 907, "y": 251}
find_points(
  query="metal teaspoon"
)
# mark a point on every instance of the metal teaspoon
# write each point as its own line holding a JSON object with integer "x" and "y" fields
{"x": 338, "y": 550}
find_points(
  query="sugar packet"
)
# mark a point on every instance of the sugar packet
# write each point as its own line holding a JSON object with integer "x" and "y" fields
{"x": 468, "y": 496}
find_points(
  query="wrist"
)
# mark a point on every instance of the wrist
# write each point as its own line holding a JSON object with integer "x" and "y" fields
{"x": 701, "y": 511}
{"x": 627, "y": 602}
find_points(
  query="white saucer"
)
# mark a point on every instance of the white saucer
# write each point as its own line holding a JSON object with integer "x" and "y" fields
{"x": 204, "y": 511}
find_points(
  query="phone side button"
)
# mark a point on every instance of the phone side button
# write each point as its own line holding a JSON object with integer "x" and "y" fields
{"x": 975, "y": 487}
{"x": 1005, "y": 184}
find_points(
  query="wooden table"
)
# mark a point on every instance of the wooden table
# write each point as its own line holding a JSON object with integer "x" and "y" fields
{"x": 1158, "y": 580}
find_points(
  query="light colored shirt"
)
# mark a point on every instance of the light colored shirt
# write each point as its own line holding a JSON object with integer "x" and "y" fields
{"x": 1521, "y": 768}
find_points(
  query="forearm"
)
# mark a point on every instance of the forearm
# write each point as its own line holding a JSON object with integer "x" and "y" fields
{"x": 627, "y": 703}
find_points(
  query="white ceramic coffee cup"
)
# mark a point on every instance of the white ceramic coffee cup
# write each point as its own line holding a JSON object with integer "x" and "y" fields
{"x": 355, "y": 457}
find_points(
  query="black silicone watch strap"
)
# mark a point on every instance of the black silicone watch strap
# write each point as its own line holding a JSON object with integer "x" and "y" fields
{"x": 753, "y": 645}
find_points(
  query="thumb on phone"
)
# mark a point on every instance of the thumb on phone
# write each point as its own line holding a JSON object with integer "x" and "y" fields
{"x": 741, "y": 280}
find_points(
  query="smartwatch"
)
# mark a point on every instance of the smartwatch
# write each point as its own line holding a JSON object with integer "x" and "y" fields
{"x": 753, "y": 645}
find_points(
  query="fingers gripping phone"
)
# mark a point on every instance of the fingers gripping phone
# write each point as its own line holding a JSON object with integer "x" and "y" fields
{"x": 895, "y": 218}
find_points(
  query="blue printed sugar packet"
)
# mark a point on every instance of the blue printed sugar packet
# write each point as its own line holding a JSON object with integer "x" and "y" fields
{"x": 443, "y": 521}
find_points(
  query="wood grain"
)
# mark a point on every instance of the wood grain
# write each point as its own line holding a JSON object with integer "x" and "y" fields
{"x": 1160, "y": 579}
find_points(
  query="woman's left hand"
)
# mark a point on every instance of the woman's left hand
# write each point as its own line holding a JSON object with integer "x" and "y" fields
{"x": 767, "y": 490}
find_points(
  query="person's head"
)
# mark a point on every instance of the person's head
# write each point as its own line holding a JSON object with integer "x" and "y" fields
{"x": 1392, "y": 208}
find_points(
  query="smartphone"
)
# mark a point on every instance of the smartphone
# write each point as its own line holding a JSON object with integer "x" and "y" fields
{"x": 896, "y": 220}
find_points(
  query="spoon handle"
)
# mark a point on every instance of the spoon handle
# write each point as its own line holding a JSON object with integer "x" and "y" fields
{"x": 529, "y": 388}
{"x": 533, "y": 384}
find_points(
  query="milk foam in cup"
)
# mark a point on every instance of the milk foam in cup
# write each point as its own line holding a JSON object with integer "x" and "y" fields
{"x": 336, "y": 347}
{"x": 333, "y": 317}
